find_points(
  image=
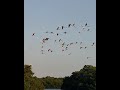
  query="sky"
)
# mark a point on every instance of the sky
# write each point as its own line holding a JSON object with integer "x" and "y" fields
{"x": 46, "y": 15}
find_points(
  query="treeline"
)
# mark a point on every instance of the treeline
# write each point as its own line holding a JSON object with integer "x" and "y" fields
{"x": 85, "y": 79}
{"x": 51, "y": 82}
{"x": 34, "y": 83}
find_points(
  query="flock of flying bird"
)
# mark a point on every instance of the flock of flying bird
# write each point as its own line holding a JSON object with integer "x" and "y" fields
{"x": 64, "y": 46}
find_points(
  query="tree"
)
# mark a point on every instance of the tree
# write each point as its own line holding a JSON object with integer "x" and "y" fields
{"x": 52, "y": 82}
{"x": 31, "y": 82}
{"x": 85, "y": 79}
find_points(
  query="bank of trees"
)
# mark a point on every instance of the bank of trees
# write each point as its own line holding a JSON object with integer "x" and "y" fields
{"x": 32, "y": 82}
{"x": 85, "y": 79}
{"x": 52, "y": 83}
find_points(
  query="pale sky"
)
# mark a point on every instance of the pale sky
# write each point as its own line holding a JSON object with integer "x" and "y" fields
{"x": 46, "y": 15}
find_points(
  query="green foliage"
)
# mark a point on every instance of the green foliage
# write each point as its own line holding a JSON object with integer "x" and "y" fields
{"x": 85, "y": 79}
{"x": 51, "y": 82}
{"x": 31, "y": 82}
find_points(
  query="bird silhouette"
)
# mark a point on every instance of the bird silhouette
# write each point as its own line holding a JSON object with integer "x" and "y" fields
{"x": 33, "y": 34}
{"x": 46, "y": 31}
{"x": 67, "y": 44}
{"x": 66, "y": 48}
{"x": 42, "y": 51}
{"x": 62, "y": 27}
{"x": 43, "y": 40}
{"x": 86, "y": 24}
{"x": 80, "y": 43}
{"x": 55, "y": 40}
{"x": 57, "y": 28}
{"x": 59, "y": 40}
{"x": 80, "y": 47}
{"x": 65, "y": 32}
{"x": 62, "y": 50}
{"x": 69, "y": 25}
{"x": 74, "y": 24}
{"x": 83, "y": 29}
{"x": 88, "y": 57}
{"x": 88, "y": 30}
{"x": 63, "y": 43}
{"x": 46, "y": 39}
{"x": 49, "y": 50}
{"x": 92, "y": 44}
{"x": 71, "y": 43}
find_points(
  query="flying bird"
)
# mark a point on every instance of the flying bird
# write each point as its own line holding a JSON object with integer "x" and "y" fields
{"x": 67, "y": 44}
{"x": 63, "y": 43}
{"x": 43, "y": 40}
{"x": 42, "y": 51}
{"x": 74, "y": 24}
{"x": 86, "y": 24}
{"x": 59, "y": 40}
{"x": 88, "y": 30}
{"x": 46, "y": 39}
{"x": 48, "y": 50}
{"x": 71, "y": 43}
{"x": 69, "y": 25}
{"x": 83, "y": 29}
{"x": 33, "y": 34}
{"x": 92, "y": 44}
{"x": 62, "y": 50}
{"x": 80, "y": 47}
{"x": 80, "y": 43}
{"x": 57, "y": 28}
{"x": 55, "y": 40}
{"x": 46, "y": 31}
{"x": 65, "y": 32}
{"x": 62, "y": 27}
{"x": 66, "y": 48}
{"x": 88, "y": 57}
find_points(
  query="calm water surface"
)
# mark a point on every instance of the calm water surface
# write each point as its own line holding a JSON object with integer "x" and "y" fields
{"x": 52, "y": 89}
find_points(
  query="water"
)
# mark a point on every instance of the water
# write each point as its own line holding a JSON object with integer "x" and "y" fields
{"x": 52, "y": 89}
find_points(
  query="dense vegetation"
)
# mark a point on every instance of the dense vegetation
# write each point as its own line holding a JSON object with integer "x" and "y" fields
{"x": 85, "y": 79}
{"x": 52, "y": 83}
{"x": 31, "y": 82}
